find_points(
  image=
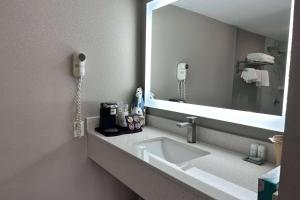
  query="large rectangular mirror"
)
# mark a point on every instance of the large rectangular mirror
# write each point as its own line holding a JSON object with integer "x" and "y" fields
{"x": 227, "y": 60}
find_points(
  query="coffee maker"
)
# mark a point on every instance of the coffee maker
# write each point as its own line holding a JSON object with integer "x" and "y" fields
{"x": 108, "y": 118}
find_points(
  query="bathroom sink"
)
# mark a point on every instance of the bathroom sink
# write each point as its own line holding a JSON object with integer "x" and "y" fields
{"x": 171, "y": 150}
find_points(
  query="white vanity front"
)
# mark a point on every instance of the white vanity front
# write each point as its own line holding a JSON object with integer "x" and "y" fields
{"x": 200, "y": 170}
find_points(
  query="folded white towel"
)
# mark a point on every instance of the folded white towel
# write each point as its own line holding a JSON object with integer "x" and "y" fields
{"x": 260, "y": 77}
{"x": 261, "y": 57}
{"x": 262, "y": 60}
{"x": 263, "y": 78}
{"x": 249, "y": 75}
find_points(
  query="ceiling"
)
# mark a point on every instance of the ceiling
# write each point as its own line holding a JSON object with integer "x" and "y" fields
{"x": 265, "y": 17}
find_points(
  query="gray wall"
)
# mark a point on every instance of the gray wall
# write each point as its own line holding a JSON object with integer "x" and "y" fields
{"x": 38, "y": 155}
{"x": 244, "y": 95}
{"x": 207, "y": 45}
{"x": 290, "y": 171}
{"x": 248, "y": 42}
{"x": 267, "y": 95}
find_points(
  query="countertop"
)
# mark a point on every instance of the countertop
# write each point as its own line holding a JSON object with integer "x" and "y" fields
{"x": 221, "y": 175}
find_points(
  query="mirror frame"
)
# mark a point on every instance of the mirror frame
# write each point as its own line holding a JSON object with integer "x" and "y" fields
{"x": 259, "y": 120}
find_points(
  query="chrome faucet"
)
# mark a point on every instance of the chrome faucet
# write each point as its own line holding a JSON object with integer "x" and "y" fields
{"x": 191, "y": 129}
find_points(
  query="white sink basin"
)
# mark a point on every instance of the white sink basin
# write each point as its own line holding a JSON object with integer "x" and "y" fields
{"x": 171, "y": 150}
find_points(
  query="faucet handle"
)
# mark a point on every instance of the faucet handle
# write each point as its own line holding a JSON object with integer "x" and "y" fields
{"x": 192, "y": 119}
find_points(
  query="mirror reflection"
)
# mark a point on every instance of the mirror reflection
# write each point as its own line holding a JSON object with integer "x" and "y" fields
{"x": 230, "y": 56}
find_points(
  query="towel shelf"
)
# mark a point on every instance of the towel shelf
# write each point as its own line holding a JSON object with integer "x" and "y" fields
{"x": 241, "y": 65}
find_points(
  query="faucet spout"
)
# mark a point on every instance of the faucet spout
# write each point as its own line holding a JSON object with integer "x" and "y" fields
{"x": 183, "y": 124}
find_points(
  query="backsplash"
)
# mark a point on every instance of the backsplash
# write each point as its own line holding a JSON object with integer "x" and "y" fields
{"x": 234, "y": 129}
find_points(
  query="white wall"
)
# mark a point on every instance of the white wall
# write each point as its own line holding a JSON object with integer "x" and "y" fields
{"x": 39, "y": 158}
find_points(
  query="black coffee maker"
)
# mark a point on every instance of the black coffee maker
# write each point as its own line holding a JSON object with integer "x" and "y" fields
{"x": 108, "y": 118}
